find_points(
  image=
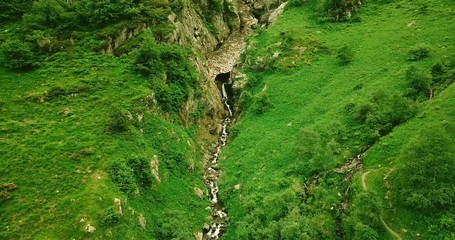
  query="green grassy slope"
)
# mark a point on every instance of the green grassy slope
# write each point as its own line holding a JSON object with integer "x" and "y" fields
{"x": 56, "y": 147}
{"x": 311, "y": 97}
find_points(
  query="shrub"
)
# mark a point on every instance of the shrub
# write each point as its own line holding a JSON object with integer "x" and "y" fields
{"x": 13, "y": 9}
{"x": 345, "y": 55}
{"x": 117, "y": 121}
{"x": 123, "y": 176}
{"x": 384, "y": 111}
{"x": 111, "y": 217}
{"x": 245, "y": 100}
{"x": 425, "y": 179}
{"x": 142, "y": 170}
{"x": 419, "y": 83}
{"x": 261, "y": 103}
{"x": 341, "y": 10}
{"x": 45, "y": 13}
{"x": 148, "y": 61}
{"x": 18, "y": 55}
{"x": 418, "y": 53}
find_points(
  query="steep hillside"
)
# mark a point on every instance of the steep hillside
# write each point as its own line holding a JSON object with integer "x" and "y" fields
{"x": 107, "y": 115}
{"x": 329, "y": 101}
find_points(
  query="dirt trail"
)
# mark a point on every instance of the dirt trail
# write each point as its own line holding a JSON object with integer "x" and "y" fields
{"x": 389, "y": 229}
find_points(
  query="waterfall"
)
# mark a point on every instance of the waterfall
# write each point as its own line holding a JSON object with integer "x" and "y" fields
{"x": 211, "y": 174}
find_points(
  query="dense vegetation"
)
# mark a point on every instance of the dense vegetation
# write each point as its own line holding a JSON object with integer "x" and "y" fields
{"x": 345, "y": 125}
{"x": 322, "y": 91}
{"x": 79, "y": 128}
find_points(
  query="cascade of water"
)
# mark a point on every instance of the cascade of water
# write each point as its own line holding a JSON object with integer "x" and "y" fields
{"x": 211, "y": 175}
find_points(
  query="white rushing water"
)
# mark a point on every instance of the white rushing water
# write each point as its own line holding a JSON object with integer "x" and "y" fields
{"x": 211, "y": 175}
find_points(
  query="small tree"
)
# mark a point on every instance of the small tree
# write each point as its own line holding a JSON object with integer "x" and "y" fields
{"x": 418, "y": 53}
{"x": 345, "y": 55}
{"x": 117, "y": 121}
{"x": 426, "y": 179}
{"x": 419, "y": 83}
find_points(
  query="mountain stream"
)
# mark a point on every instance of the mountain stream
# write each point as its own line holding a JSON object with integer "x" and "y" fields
{"x": 212, "y": 173}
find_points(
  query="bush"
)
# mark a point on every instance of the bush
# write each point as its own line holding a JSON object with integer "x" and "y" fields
{"x": 418, "y": 53}
{"x": 13, "y": 9}
{"x": 419, "y": 83}
{"x": 245, "y": 100}
{"x": 142, "y": 170}
{"x": 261, "y": 103}
{"x": 312, "y": 152}
{"x": 425, "y": 179}
{"x": 363, "y": 221}
{"x": 345, "y": 55}
{"x": 117, "y": 121}
{"x": 148, "y": 60}
{"x": 385, "y": 111}
{"x": 341, "y": 10}
{"x": 45, "y": 13}
{"x": 18, "y": 55}
{"x": 111, "y": 217}
{"x": 124, "y": 177}
{"x": 173, "y": 75}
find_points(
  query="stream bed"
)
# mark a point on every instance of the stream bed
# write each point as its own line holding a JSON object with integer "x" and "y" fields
{"x": 219, "y": 215}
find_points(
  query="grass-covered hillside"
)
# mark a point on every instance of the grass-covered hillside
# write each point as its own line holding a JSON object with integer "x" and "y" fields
{"x": 96, "y": 146}
{"x": 330, "y": 103}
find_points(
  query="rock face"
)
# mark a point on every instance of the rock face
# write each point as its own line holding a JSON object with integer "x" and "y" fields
{"x": 123, "y": 36}
{"x": 218, "y": 35}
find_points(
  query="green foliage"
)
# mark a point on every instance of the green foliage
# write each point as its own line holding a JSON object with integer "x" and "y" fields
{"x": 261, "y": 103}
{"x": 341, "y": 10}
{"x": 218, "y": 5}
{"x": 245, "y": 100}
{"x": 12, "y": 10}
{"x": 142, "y": 170}
{"x": 18, "y": 55}
{"x": 117, "y": 121}
{"x": 312, "y": 153}
{"x": 419, "y": 83}
{"x": 425, "y": 180}
{"x": 104, "y": 12}
{"x": 173, "y": 76}
{"x": 384, "y": 111}
{"x": 124, "y": 177}
{"x": 110, "y": 217}
{"x": 45, "y": 14}
{"x": 148, "y": 61}
{"x": 177, "y": 6}
{"x": 174, "y": 226}
{"x": 363, "y": 221}
{"x": 418, "y": 53}
{"x": 345, "y": 55}
{"x": 296, "y": 3}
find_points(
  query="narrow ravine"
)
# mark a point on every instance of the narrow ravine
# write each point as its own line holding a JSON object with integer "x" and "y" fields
{"x": 220, "y": 65}
{"x": 211, "y": 175}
